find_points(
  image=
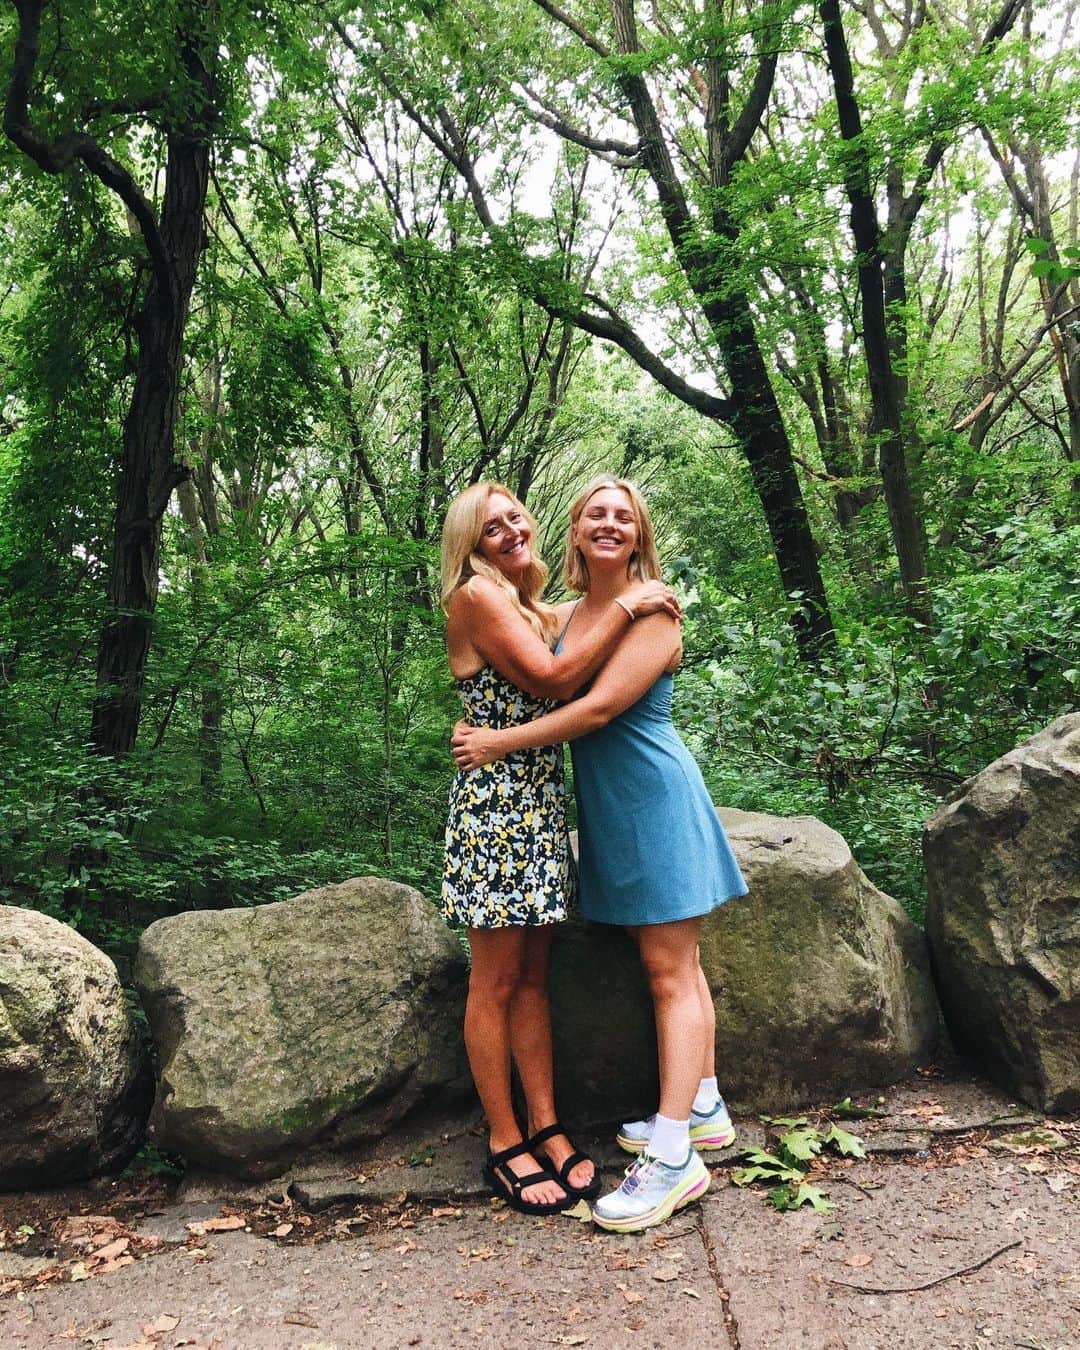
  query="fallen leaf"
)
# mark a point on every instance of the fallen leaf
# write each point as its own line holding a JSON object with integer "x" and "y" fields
{"x": 631, "y": 1295}
{"x": 666, "y": 1273}
{"x": 111, "y": 1250}
{"x": 924, "y": 1110}
{"x": 82, "y": 1225}
{"x": 580, "y": 1211}
{"x": 79, "y": 1272}
{"x": 282, "y": 1230}
{"x": 624, "y": 1261}
{"x": 107, "y": 1267}
{"x": 299, "y": 1318}
{"x": 446, "y": 1212}
{"x": 223, "y": 1225}
{"x": 860, "y": 1259}
{"x": 691, "y": 1293}
{"x": 158, "y": 1327}
{"x": 407, "y": 1246}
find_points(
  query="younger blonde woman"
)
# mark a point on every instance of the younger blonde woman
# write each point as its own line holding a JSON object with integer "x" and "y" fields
{"x": 653, "y": 856}
{"x": 507, "y": 874}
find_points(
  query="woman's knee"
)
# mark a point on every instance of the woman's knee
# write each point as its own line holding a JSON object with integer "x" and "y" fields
{"x": 669, "y": 971}
{"x": 496, "y": 984}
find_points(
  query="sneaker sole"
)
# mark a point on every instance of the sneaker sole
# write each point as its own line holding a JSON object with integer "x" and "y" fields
{"x": 672, "y": 1202}
{"x": 702, "y": 1142}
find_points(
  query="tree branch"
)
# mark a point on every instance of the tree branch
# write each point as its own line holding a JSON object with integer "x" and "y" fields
{"x": 547, "y": 116}
{"x": 560, "y": 16}
{"x": 55, "y": 157}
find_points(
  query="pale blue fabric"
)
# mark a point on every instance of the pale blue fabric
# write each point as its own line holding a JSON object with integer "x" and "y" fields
{"x": 650, "y": 846}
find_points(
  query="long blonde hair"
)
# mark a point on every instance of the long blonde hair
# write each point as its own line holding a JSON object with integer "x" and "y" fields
{"x": 644, "y": 562}
{"x": 461, "y": 560}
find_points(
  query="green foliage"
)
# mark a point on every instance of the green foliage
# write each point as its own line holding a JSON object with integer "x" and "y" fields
{"x": 361, "y": 346}
{"x": 798, "y": 1146}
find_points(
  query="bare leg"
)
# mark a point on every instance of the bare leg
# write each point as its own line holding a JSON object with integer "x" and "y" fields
{"x": 669, "y": 955}
{"x": 497, "y": 962}
{"x": 708, "y": 1068}
{"x": 530, "y": 1043}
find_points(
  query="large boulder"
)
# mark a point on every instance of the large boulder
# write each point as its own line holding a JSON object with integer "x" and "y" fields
{"x": 821, "y": 985}
{"x": 322, "y": 1019}
{"x": 75, "y": 1085}
{"x": 1003, "y": 916}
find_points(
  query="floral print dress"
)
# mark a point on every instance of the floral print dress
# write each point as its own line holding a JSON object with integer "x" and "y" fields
{"x": 507, "y": 849}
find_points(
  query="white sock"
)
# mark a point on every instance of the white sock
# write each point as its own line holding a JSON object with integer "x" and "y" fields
{"x": 708, "y": 1094}
{"x": 670, "y": 1140}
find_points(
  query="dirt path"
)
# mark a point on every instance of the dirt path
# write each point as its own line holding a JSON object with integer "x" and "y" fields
{"x": 731, "y": 1273}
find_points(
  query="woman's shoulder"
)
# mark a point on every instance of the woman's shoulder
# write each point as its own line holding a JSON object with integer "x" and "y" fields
{"x": 479, "y": 593}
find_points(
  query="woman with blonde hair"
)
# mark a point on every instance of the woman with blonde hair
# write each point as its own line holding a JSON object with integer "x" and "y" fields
{"x": 507, "y": 871}
{"x": 653, "y": 856}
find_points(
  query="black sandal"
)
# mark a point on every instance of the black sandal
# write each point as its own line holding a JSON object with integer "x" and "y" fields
{"x": 562, "y": 1174}
{"x": 507, "y": 1185}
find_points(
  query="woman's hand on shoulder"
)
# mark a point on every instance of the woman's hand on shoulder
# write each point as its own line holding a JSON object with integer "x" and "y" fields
{"x": 474, "y": 747}
{"x": 652, "y": 597}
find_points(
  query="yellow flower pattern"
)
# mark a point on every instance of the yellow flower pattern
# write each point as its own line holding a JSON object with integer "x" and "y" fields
{"x": 507, "y": 849}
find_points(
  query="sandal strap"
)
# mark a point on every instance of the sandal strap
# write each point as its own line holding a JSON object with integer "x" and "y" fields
{"x": 548, "y": 1132}
{"x": 514, "y": 1151}
{"x": 568, "y": 1166}
{"x": 518, "y": 1184}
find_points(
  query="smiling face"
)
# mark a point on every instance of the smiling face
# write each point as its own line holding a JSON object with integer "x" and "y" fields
{"x": 606, "y": 532}
{"x": 506, "y": 538}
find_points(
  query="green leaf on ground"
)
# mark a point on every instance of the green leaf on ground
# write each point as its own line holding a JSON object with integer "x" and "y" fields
{"x": 850, "y": 1145}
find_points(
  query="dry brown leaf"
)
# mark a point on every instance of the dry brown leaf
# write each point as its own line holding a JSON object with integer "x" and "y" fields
{"x": 860, "y": 1259}
{"x": 624, "y": 1261}
{"x": 223, "y": 1225}
{"x": 631, "y": 1295}
{"x": 666, "y": 1273}
{"x": 282, "y": 1230}
{"x": 445, "y": 1212}
{"x": 111, "y": 1250}
{"x": 82, "y": 1225}
{"x": 924, "y": 1110}
{"x": 162, "y": 1323}
{"x": 79, "y": 1272}
{"x": 407, "y": 1246}
{"x": 107, "y": 1267}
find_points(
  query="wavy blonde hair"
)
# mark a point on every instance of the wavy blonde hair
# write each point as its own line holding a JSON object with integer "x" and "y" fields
{"x": 461, "y": 559}
{"x": 644, "y": 562}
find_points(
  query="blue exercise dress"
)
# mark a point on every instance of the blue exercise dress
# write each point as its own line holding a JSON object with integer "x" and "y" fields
{"x": 650, "y": 846}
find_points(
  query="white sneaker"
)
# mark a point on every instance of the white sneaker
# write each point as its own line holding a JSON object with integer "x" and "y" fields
{"x": 708, "y": 1130}
{"x": 651, "y": 1192}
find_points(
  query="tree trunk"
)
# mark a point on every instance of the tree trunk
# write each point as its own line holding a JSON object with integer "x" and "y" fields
{"x": 149, "y": 470}
{"x": 886, "y": 392}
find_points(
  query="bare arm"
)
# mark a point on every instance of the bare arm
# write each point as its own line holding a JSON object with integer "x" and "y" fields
{"x": 643, "y": 655}
{"x": 482, "y": 615}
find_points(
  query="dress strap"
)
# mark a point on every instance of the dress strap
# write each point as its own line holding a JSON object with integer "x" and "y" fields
{"x": 568, "y": 622}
